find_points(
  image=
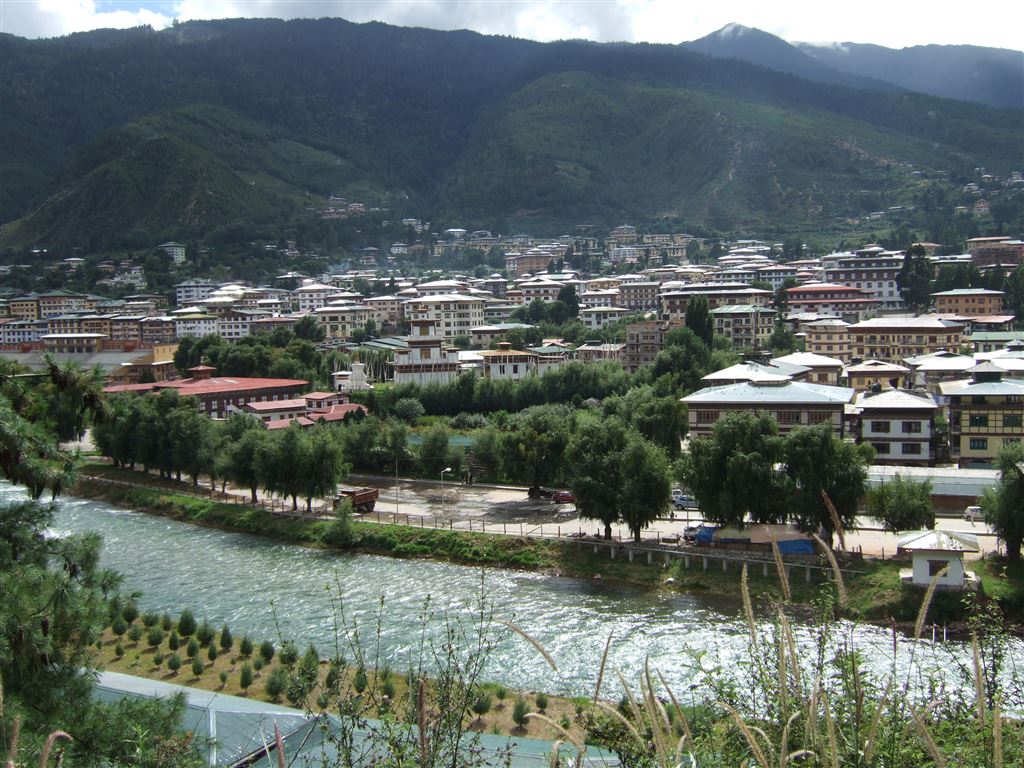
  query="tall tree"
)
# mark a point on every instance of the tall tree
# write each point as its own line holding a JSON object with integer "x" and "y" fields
{"x": 818, "y": 462}
{"x": 914, "y": 279}
{"x": 594, "y": 455}
{"x": 323, "y": 468}
{"x": 699, "y": 320}
{"x": 1004, "y": 505}
{"x": 902, "y": 504}
{"x": 567, "y": 295}
{"x": 643, "y": 491}
{"x": 734, "y": 473}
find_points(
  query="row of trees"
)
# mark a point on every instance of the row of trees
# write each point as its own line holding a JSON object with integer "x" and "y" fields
{"x": 745, "y": 470}
{"x": 168, "y": 434}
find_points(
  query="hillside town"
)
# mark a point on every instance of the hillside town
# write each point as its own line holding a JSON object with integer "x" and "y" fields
{"x": 935, "y": 387}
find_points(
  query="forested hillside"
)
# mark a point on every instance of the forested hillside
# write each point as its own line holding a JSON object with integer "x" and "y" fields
{"x": 178, "y": 132}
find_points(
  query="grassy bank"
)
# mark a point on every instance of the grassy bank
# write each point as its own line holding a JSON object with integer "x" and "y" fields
{"x": 875, "y": 592}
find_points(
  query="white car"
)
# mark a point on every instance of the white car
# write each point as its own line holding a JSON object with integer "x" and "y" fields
{"x": 972, "y": 513}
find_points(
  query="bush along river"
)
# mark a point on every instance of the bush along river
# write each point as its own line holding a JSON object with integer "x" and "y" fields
{"x": 271, "y": 590}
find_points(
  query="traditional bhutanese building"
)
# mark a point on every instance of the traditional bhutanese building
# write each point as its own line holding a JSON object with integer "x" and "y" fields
{"x": 985, "y": 413}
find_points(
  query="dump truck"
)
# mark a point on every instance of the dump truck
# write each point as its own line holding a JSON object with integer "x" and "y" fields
{"x": 363, "y": 499}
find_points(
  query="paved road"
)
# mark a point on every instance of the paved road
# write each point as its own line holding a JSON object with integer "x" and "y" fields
{"x": 506, "y": 508}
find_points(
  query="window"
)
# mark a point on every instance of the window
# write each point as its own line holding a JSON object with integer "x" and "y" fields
{"x": 979, "y": 444}
{"x": 879, "y": 426}
{"x": 979, "y": 420}
{"x": 978, "y": 399}
{"x": 789, "y": 417}
{"x": 880, "y": 448}
{"x": 707, "y": 417}
{"x": 936, "y": 566}
{"x": 912, "y": 448}
{"x": 1011, "y": 420}
{"x": 911, "y": 427}
{"x": 817, "y": 417}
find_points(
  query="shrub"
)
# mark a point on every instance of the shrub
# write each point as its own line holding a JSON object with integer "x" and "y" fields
{"x": 165, "y": 622}
{"x": 150, "y": 619}
{"x": 289, "y": 654}
{"x": 130, "y": 612}
{"x": 359, "y": 682}
{"x": 501, "y": 692}
{"x": 135, "y": 633}
{"x": 204, "y": 634}
{"x": 520, "y": 711}
{"x": 257, "y": 663}
{"x": 388, "y": 689}
{"x": 155, "y": 636}
{"x": 223, "y": 677}
{"x": 542, "y": 701}
{"x": 245, "y": 679}
{"x": 276, "y": 682}
{"x": 408, "y": 409}
{"x": 119, "y": 627}
{"x": 266, "y": 651}
{"x": 193, "y": 648}
{"x": 211, "y": 653}
{"x": 226, "y": 641}
{"x": 158, "y": 659}
{"x": 245, "y": 647}
{"x": 482, "y": 704}
{"x": 197, "y": 667}
{"x": 186, "y": 623}
{"x": 469, "y": 421}
{"x": 119, "y": 649}
{"x": 174, "y": 642}
{"x": 174, "y": 663}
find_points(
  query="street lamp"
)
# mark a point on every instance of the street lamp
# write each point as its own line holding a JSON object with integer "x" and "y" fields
{"x": 446, "y": 469}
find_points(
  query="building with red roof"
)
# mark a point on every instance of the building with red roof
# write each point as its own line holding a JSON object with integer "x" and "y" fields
{"x": 219, "y": 396}
{"x": 847, "y": 302}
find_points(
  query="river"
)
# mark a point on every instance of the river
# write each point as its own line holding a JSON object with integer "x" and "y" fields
{"x": 269, "y": 590}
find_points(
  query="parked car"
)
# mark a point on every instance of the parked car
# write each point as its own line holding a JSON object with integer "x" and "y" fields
{"x": 972, "y": 513}
{"x": 537, "y": 492}
{"x": 563, "y": 497}
{"x": 682, "y": 500}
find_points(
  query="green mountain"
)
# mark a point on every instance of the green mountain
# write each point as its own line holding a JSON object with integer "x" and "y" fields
{"x": 115, "y": 138}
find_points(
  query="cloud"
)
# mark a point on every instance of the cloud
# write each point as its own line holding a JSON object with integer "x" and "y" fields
{"x": 656, "y": 21}
{"x": 52, "y": 18}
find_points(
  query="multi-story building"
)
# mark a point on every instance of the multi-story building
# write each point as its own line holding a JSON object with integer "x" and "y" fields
{"x": 791, "y": 403}
{"x": 158, "y": 330}
{"x": 897, "y": 338}
{"x": 640, "y": 295}
{"x": 876, "y": 374}
{"x": 987, "y": 253}
{"x": 598, "y": 317}
{"x": 237, "y": 324}
{"x": 17, "y": 332}
{"x": 545, "y": 290}
{"x": 449, "y": 315}
{"x": 197, "y": 325}
{"x": 899, "y": 424}
{"x": 645, "y": 340}
{"x": 675, "y": 300}
{"x": 340, "y": 318}
{"x": 24, "y": 307}
{"x": 821, "y": 369}
{"x": 873, "y": 268}
{"x": 175, "y": 250}
{"x": 426, "y": 360}
{"x": 193, "y": 291}
{"x": 847, "y": 302}
{"x": 56, "y": 303}
{"x": 968, "y": 302}
{"x": 985, "y": 413}
{"x": 745, "y": 325}
{"x": 507, "y": 363}
{"x": 220, "y": 397}
{"x": 311, "y": 296}
{"x": 595, "y": 352}
{"x": 829, "y": 337}
{"x": 385, "y": 311}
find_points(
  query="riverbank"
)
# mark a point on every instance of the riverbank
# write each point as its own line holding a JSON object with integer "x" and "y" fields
{"x": 875, "y": 592}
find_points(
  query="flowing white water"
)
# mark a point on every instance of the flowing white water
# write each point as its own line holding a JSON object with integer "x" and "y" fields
{"x": 250, "y": 583}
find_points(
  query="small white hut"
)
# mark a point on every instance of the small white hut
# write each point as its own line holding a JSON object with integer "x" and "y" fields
{"x": 931, "y": 551}
{"x": 351, "y": 381}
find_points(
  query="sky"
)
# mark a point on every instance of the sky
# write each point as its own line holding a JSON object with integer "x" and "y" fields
{"x": 892, "y": 23}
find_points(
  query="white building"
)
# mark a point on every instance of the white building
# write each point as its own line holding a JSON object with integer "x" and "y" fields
{"x": 446, "y": 315}
{"x": 426, "y": 361}
{"x": 311, "y": 296}
{"x": 175, "y": 250}
{"x": 192, "y": 291}
{"x": 340, "y": 318}
{"x": 931, "y": 551}
{"x": 598, "y": 317}
{"x": 197, "y": 325}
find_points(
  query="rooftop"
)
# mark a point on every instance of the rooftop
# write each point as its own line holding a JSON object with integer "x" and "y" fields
{"x": 765, "y": 393}
{"x": 938, "y": 541}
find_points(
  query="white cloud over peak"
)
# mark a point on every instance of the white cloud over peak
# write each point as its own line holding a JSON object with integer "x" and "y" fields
{"x": 658, "y": 21}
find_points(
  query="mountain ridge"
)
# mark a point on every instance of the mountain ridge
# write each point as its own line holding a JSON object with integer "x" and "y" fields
{"x": 285, "y": 112}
